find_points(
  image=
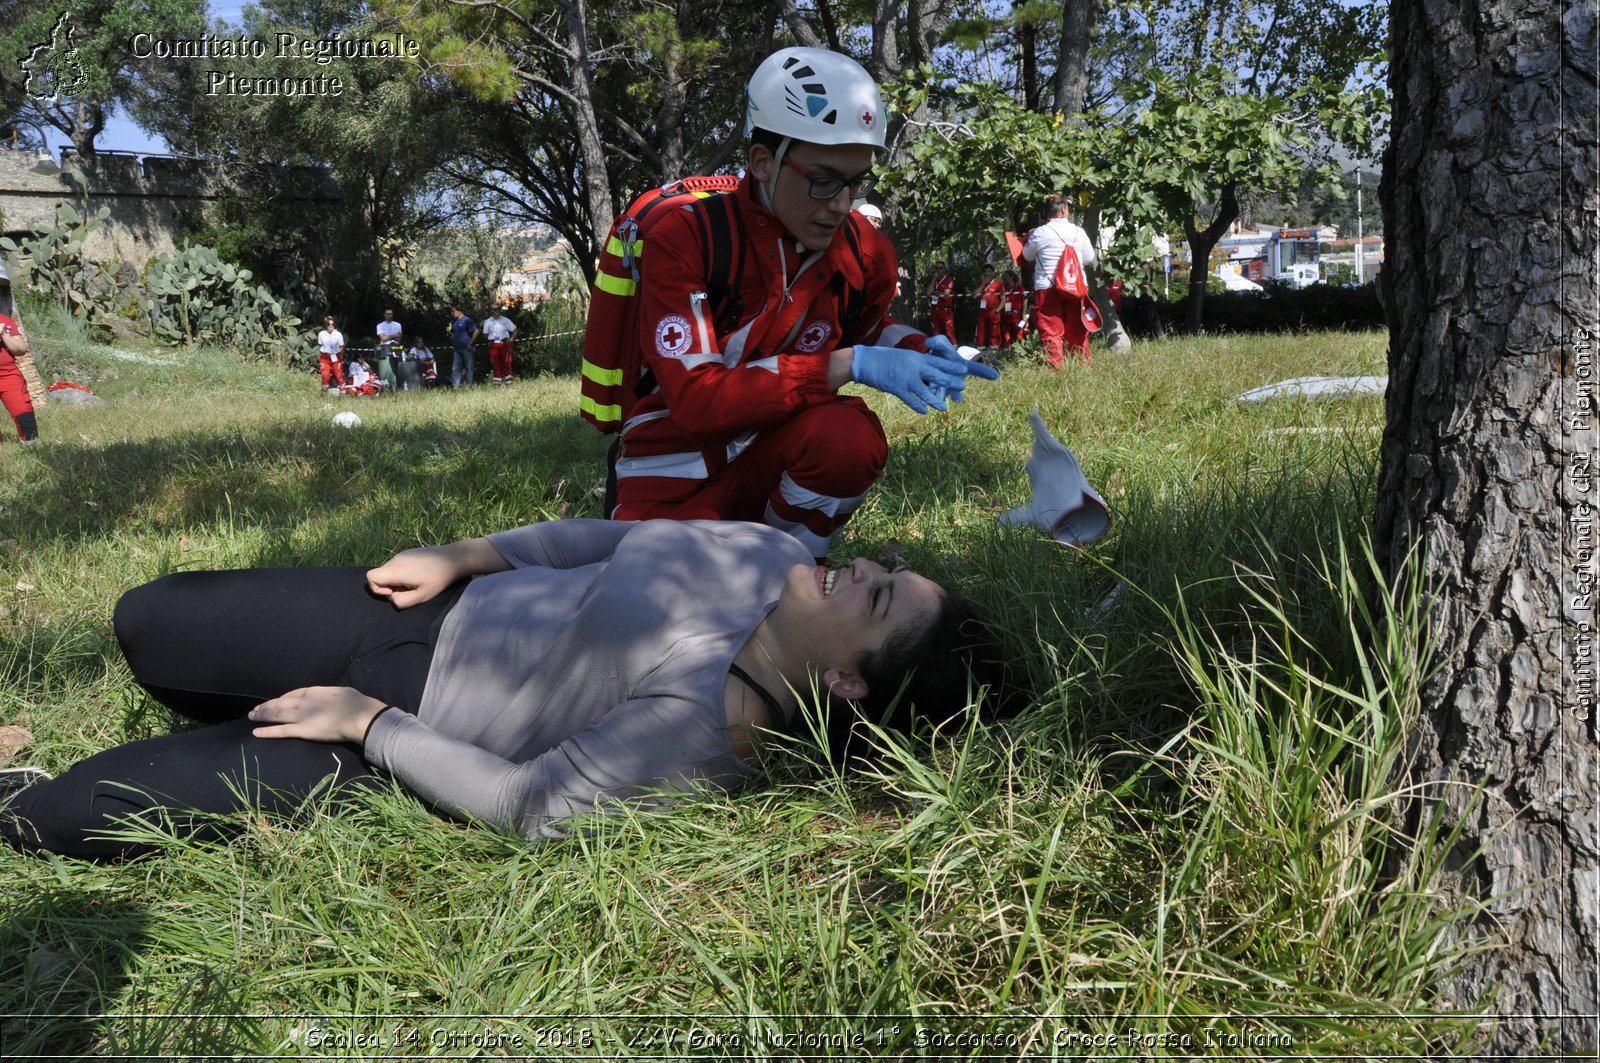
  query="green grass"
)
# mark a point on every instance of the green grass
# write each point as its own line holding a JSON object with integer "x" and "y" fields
{"x": 1187, "y": 846}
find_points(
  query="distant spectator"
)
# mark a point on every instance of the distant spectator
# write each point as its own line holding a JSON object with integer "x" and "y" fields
{"x": 423, "y": 356}
{"x": 872, "y": 214}
{"x": 1014, "y": 310}
{"x": 991, "y": 301}
{"x": 942, "y": 302}
{"x": 330, "y": 357}
{"x": 361, "y": 380}
{"x": 13, "y": 386}
{"x": 463, "y": 334}
{"x": 498, "y": 330}
{"x": 389, "y": 345}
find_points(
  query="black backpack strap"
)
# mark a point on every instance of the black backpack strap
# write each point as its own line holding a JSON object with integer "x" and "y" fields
{"x": 852, "y": 301}
{"x": 725, "y": 259}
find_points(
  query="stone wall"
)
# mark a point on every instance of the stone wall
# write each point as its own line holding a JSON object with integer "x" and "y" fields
{"x": 149, "y": 197}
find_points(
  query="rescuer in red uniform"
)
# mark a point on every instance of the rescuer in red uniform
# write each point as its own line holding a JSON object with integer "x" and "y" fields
{"x": 744, "y": 420}
{"x": 942, "y": 302}
{"x": 13, "y": 387}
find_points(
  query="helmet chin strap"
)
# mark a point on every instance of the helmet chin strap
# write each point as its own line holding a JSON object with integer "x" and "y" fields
{"x": 770, "y": 188}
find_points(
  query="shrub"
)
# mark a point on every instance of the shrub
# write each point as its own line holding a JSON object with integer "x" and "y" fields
{"x": 1319, "y": 307}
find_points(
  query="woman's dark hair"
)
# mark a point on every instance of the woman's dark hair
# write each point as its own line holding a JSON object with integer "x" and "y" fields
{"x": 928, "y": 675}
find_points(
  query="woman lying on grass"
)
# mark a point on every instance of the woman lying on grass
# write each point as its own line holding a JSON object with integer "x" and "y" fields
{"x": 593, "y": 661}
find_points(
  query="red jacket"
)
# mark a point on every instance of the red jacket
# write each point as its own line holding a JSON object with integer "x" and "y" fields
{"x": 714, "y": 391}
{"x": 1016, "y": 301}
{"x": 8, "y": 327}
{"x": 943, "y": 295}
{"x": 992, "y": 297}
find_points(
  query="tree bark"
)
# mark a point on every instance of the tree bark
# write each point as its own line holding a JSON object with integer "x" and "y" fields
{"x": 885, "y": 63}
{"x": 1201, "y": 241}
{"x": 596, "y": 180}
{"x": 1072, "y": 72}
{"x": 1488, "y": 468}
{"x": 1027, "y": 43}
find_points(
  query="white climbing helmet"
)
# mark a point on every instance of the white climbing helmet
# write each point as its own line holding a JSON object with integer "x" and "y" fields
{"x": 815, "y": 95}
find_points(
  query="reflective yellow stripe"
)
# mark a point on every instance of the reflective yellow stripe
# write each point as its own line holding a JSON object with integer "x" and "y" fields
{"x": 599, "y": 412}
{"x": 623, "y": 286}
{"x": 614, "y": 246}
{"x": 603, "y": 377}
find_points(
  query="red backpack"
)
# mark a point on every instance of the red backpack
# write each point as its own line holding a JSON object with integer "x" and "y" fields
{"x": 1070, "y": 279}
{"x": 1069, "y": 274}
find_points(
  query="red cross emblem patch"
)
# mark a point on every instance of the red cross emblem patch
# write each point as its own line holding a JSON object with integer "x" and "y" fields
{"x": 672, "y": 335}
{"x": 815, "y": 336}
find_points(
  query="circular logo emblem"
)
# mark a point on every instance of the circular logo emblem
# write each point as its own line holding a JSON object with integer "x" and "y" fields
{"x": 815, "y": 335}
{"x": 672, "y": 335}
{"x": 866, "y": 118}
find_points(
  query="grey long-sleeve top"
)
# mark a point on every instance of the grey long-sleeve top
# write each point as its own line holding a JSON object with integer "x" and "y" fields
{"x": 592, "y": 670}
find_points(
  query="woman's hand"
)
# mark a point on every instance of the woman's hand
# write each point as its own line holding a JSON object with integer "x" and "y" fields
{"x": 412, "y": 577}
{"x": 321, "y": 714}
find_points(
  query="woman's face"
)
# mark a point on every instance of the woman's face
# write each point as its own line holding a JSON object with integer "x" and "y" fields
{"x": 841, "y": 613}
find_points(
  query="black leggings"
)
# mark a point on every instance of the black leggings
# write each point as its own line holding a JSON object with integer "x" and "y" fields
{"x": 211, "y": 646}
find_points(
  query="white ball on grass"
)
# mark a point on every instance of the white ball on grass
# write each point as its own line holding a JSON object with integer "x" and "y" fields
{"x": 346, "y": 419}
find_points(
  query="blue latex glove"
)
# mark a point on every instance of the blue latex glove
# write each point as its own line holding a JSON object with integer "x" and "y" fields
{"x": 940, "y": 347}
{"x": 914, "y": 379}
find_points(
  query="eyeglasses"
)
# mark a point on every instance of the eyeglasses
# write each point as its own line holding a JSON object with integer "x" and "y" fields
{"x": 827, "y": 187}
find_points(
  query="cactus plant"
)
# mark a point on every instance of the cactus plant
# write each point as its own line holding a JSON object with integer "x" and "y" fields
{"x": 53, "y": 260}
{"x": 187, "y": 296}
{"x": 194, "y": 296}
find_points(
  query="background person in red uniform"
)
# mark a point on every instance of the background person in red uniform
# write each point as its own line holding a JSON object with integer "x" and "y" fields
{"x": 745, "y": 421}
{"x": 13, "y": 387}
{"x": 330, "y": 355}
{"x": 1057, "y": 316}
{"x": 942, "y": 302}
{"x": 1014, "y": 310}
{"x": 991, "y": 297}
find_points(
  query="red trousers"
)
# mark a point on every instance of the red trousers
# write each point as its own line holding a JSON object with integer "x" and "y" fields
{"x": 14, "y": 396}
{"x": 1058, "y": 318}
{"x": 805, "y": 476}
{"x": 500, "y": 359}
{"x": 332, "y": 368}
{"x": 1008, "y": 329}
{"x": 989, "y": 333}
{"x": 943, "y": 323}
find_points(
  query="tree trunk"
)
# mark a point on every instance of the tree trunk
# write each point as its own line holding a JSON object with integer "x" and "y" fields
{"x": 885, "y": 63}
{"x": 86, "y": 122}
{"x": 804, "y": 35}
{"x": 1201, "y": 241}
{"x": 1488, "y": 466}
{"x": 1072, "y": 72}
{"x": 1113, "y": 336}
{"x": 674, "y": 95}
{"x": 1027, "y": 42}
{"x": 597, "y": 182}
